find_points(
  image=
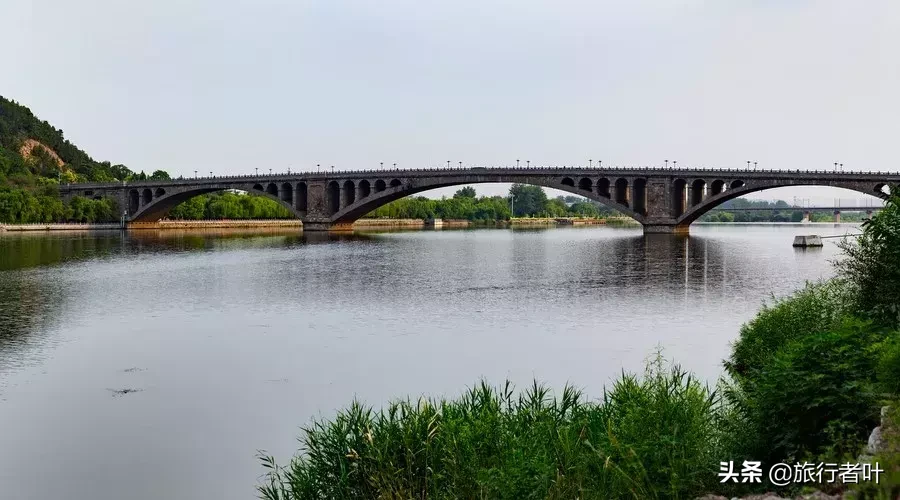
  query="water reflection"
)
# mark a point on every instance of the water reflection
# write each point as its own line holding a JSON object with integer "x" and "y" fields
{"x": 211, "y": 317}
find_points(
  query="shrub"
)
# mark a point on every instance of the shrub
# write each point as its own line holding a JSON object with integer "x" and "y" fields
{"x": 816, "y": 308}
{"x": 650, "y": 437}
{"x": 872, "y": 265}
{"x": 816, "y": 396}
{"x": 889, "y": 366}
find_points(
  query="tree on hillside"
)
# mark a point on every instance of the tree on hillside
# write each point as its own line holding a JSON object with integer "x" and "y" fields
{"x": 160, "y": 175}
{"x": 466, "y": 192}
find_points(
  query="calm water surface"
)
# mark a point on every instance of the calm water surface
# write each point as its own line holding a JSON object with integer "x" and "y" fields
{"x": 233, "y": 340}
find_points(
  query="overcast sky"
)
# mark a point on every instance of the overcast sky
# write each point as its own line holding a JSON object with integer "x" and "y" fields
{"x": 230, "y": 85}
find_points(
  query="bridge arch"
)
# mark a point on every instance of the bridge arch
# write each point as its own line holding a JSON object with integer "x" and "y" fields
{"x": 167, "y": 199}
{"x": 347, "y": 214}
{"x": 585, "y": 184}
{"x": 741, "y": 188}
{"x": 302, "y": 197}
{"x": 603, "y": 187}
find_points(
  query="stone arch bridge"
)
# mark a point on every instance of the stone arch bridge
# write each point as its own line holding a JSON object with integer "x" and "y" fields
{"x": 662, "y": 200}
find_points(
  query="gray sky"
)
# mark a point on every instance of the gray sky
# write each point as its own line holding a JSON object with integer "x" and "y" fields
{"x": 232, "y": 85}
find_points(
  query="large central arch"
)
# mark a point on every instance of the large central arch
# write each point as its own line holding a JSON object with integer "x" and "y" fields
{"x": 347, "y": 214}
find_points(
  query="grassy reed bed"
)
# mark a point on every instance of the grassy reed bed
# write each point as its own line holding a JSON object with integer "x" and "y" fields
{"x": 648, "y": 437}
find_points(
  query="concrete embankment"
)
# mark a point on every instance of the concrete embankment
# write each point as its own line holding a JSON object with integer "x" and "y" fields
{"x": 409, "y": 223}
{"x": 556, "y": 221}
{"x": 12, "y": 228}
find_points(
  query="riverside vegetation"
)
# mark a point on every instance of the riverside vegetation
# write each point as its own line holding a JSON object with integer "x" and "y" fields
{"x": 804, "y": 382}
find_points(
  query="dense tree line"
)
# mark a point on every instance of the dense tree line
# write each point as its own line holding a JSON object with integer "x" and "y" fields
{"x": 229, "y": 205}
{"x": 523, "y": 201}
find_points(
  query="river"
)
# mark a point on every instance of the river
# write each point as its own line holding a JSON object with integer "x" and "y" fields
{"x": 155, "y": 364}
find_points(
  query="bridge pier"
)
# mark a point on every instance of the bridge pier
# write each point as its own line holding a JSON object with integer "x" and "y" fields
{"x": 327, "y": 226}
{"x": 837, "y": 216}
{"x": 665, "y": 229}
{"x": 805, "y": 217}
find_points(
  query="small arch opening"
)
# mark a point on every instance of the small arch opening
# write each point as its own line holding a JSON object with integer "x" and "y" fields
{"x": 883, "y": 190}
{"x": 134, "y": 201}
{"x": 302, "y": 202}
{"x": 258, "y": 187}
{"x": 718, "y": 187}
{"x": 364, "y": 189}
{"x": 737, "y": 184}
{"x": 603, "y": 187}
{"x": 640, "y": 196}
{"x": 679, "y": 197}
{"x": 333, "y": 197}
{"x": 567, "y": 181}
{"x": 622, "y": 191}
{"x": 349, "y": 194}
{"x": 698, "y": 191}
{"x": 287, "y": 193}
{"x": 146, "y": 197}
{"x": 272, "y": 189}
{"x": 396, "y": 183}
{"x": 380, "y": 186}
{"x": 585, "y": 184}
{"x": 160, "y": 192}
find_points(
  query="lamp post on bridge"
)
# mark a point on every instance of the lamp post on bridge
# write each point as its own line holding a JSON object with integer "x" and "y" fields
{"x": 270, "y": 171}
{"x": 527, "y": 163}
{"x": 460, "y": 164}
{"x": 590, "y": 163}
{"x": 195, "y": 175}
{"x": 667, "y": 164}
{"x": 674, "y": 164}
{"x": 257, "y": 170}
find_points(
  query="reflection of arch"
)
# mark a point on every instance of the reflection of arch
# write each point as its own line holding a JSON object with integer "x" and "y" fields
{"x": 160, "y": 192}
{"x": 622, "y": 191}
{"x": 146, "y": 196}
{"x": 639, "y": 191}
{"x": 567, "y": 181}
{"x": 364, "y": 189}
{"x": 380, "y": 186}
{"x": 698, "y": 188}
{"x": 333, "y": 197}
{"x": 348, "y": 196}
{"x": 603, "y": 187}
{"x": 396, "y": 183}
{"x": 678, "y": 197}
{"x": 301, "y": 197}
{"x": 287, "y": 193}
{"x": 272, "y": 189}
{"x": 134, "y": 201}
{"x": 585, "y": 184}
{"x": 718, "y": 187}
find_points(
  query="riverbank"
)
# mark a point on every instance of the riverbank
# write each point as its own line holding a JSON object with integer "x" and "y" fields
{"x": 285, "y": 223}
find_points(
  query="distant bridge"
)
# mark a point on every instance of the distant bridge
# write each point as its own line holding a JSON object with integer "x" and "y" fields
{"x": 662, "y": 200}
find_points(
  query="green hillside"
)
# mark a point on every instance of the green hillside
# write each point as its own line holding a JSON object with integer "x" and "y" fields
{"x": 35, "y": 158}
